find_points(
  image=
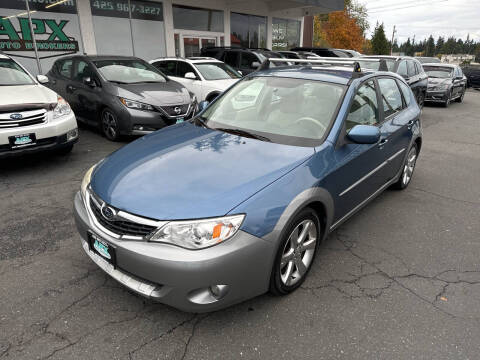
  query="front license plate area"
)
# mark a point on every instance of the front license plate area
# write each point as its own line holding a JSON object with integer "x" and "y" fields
{"x": 180, "y": 120}
{"x": 102, "y": 248}
{"x": 23, "y": 140}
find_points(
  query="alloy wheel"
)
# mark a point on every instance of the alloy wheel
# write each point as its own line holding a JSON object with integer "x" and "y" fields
{"x": 109, "y": 125}
{"x": 409, "y": 166}
{"x": 298, "y": 252}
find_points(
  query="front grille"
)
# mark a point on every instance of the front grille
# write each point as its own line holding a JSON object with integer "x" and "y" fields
{"x": 25, "y": 118}
{"x": 120, "y": 226}
{"x": 170, "y": 110}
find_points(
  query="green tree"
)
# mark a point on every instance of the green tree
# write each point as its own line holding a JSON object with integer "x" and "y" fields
{"x": 430, "y": 47}
{"x": 380, "y": 44}
{"x": 358, "y": 11}
{"x": 439, "y": 45}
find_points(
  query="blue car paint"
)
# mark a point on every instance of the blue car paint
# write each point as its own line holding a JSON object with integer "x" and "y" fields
{"x": 252, "y": 185}
{"x": 186, "y": 171}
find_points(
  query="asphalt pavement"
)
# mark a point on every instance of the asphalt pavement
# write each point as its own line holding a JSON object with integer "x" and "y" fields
{"x": 400, "y": 280}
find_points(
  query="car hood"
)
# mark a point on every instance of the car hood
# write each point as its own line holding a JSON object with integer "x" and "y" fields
{"x": 438, "y": 81}
{"x": 187, "y": 172}
{"x": 157, "y": 94}
{"x": 16, "y": 97}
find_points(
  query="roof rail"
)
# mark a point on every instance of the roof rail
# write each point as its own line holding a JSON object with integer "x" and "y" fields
{"x": 355, "y": 62}
{"x": 235, "y": 48}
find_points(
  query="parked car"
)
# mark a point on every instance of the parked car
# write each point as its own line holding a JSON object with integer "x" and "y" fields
{"x": 410, "y": 69}
{"x": 32, "y": 117}
{"x": 324, "y": 52}
{"x": 446, "y": 82}
{"x": 203, "y": 76}
{"x": 472, "y": 72}
{"x": 236, "y": 201}
{"x": 429, "y": 60}
{"x": 122, "y": 95}
{"x": 297, "y": 54}
{"x": 243, "y": 60}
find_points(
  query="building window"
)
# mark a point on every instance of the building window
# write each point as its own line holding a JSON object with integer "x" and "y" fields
{"x": 285, "y": 34}
{"x": 248, "y": 31}
{"x": 191, "y": 18}
{"x": 120, "y": 31}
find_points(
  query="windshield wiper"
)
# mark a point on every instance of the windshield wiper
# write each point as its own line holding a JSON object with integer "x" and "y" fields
{"x": 118, "y": 82}
{"x": 201, "y": 120}
{"x": 244, "y": 133}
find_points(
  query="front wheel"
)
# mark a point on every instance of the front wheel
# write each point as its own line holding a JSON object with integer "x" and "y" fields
{"x": 460, "y": 99}
{"x": 408, "y": 168}
{"x": 449, "y": 100}
{"x": 109, "y": 125}
{"x": 296, "y": 253}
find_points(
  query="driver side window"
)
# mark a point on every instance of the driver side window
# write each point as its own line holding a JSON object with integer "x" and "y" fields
{"x": 364, "y": 109}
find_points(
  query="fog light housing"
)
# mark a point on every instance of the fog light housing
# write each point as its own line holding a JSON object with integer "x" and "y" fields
{"x": 208, "y": 295}
{"x": 72, "y": 134}
{"x": 218, "y": 291}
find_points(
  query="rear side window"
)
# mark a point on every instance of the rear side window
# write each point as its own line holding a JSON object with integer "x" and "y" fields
{"x": 406, "y": 92}
{"x": 411, "y": 68}
{"x": 167, "y": 67}
{"x": 231, "y": 58}
{"x": 364, "y": 109}
{"x": 391, "y": 97}
{"x": 65, "y": 68}
{"x": 402, "y": 68}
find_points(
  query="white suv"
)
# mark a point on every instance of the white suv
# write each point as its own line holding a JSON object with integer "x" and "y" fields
{"x": 32, "y": 117}
{"x": 203, "y": 76}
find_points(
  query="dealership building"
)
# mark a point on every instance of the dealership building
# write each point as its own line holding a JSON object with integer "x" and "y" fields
{"x": 36, "y": 32}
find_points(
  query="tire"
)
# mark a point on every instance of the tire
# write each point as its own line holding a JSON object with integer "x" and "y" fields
{"x": 296, "y": 253}
{"x": 421, "y": 101}
{"x": 109, "y": 125}
{"x": 408, "y": 169}
{"x": 446, "y": 104}
{"x": 65, "y": 150}
{"x": 211, "y": 97}
{"x": 460, "y": 98}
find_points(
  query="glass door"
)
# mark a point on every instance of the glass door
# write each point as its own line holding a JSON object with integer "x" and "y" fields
{"x": 191, "y": 45}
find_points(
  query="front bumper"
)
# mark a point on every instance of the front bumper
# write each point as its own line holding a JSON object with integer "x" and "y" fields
{"x": 179, "y": 277}
{"x": 436, "y": 95}
{"x": 139, "y": 122}
{"x": 49, "y": 135}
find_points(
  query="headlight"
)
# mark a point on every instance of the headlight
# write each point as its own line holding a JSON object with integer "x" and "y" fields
{"x": 136, "y": 105}
{"x": 61, "y": 108}
{"x": 442, "y": 87}
{"x": 86, "y": 181}
{"x": 199, "y": 234}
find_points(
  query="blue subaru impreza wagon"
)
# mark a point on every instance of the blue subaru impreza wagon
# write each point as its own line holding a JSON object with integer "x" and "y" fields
{"x": 235, "y": 202}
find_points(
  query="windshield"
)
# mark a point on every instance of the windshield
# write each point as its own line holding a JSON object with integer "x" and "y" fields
{"x": 129, "y": 71}
{"x": 376, "y": 65}
{"x": 217, "y": 71}
{"x": 283, "y": 110}
{"x": 12, "y": 74}
{"x": 438, "y": 72}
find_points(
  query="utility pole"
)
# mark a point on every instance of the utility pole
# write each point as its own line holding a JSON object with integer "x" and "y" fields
{"x": 393, "y": 36}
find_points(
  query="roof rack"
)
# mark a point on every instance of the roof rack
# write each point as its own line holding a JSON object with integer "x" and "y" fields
{"x": 235, "y": 48}
{"x": 355, "y": 62}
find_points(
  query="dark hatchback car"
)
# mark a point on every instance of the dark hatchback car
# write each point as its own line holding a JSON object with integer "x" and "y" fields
{"x": 122, "y": 95}
{"x": 446, "y": 82}
{"x": 325, "y": 52}
{"x": 410, "y": 69}
{"x": 244, "y": 60}
{"x": 472, "y": 72}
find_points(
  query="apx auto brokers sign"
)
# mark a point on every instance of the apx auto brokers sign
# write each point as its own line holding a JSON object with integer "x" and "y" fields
{"x": 54, "y": 23}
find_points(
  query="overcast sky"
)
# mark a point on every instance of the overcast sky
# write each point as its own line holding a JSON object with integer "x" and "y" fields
{"x": 424, "y": 17}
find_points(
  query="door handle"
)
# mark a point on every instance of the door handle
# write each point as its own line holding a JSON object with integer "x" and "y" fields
{"x": 382, "y": 142}
{"x": 71, "y": 88}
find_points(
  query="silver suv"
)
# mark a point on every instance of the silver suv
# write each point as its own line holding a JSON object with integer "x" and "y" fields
{"x": 32, "y": 117}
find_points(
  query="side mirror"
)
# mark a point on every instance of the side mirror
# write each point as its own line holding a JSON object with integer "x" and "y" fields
{"x": 42, "y": 79}
{"x": 203, "y": 105}
{"x": 89, "y": 81}
{"x": 406, "y": 77}
{"x": 190, "y": 75}
{"x": 364, "y": 134}
{"x": 255, "y": 65}
{"x": 241, "y": 73}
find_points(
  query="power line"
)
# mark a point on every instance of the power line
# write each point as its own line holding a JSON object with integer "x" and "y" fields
{"x": 404, "y": 7}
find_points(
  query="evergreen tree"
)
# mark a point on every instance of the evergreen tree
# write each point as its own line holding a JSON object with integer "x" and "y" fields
{"x": 439, "y": 45}
{"x": 430, "y": 47}
{"x": 380, "y": 44}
